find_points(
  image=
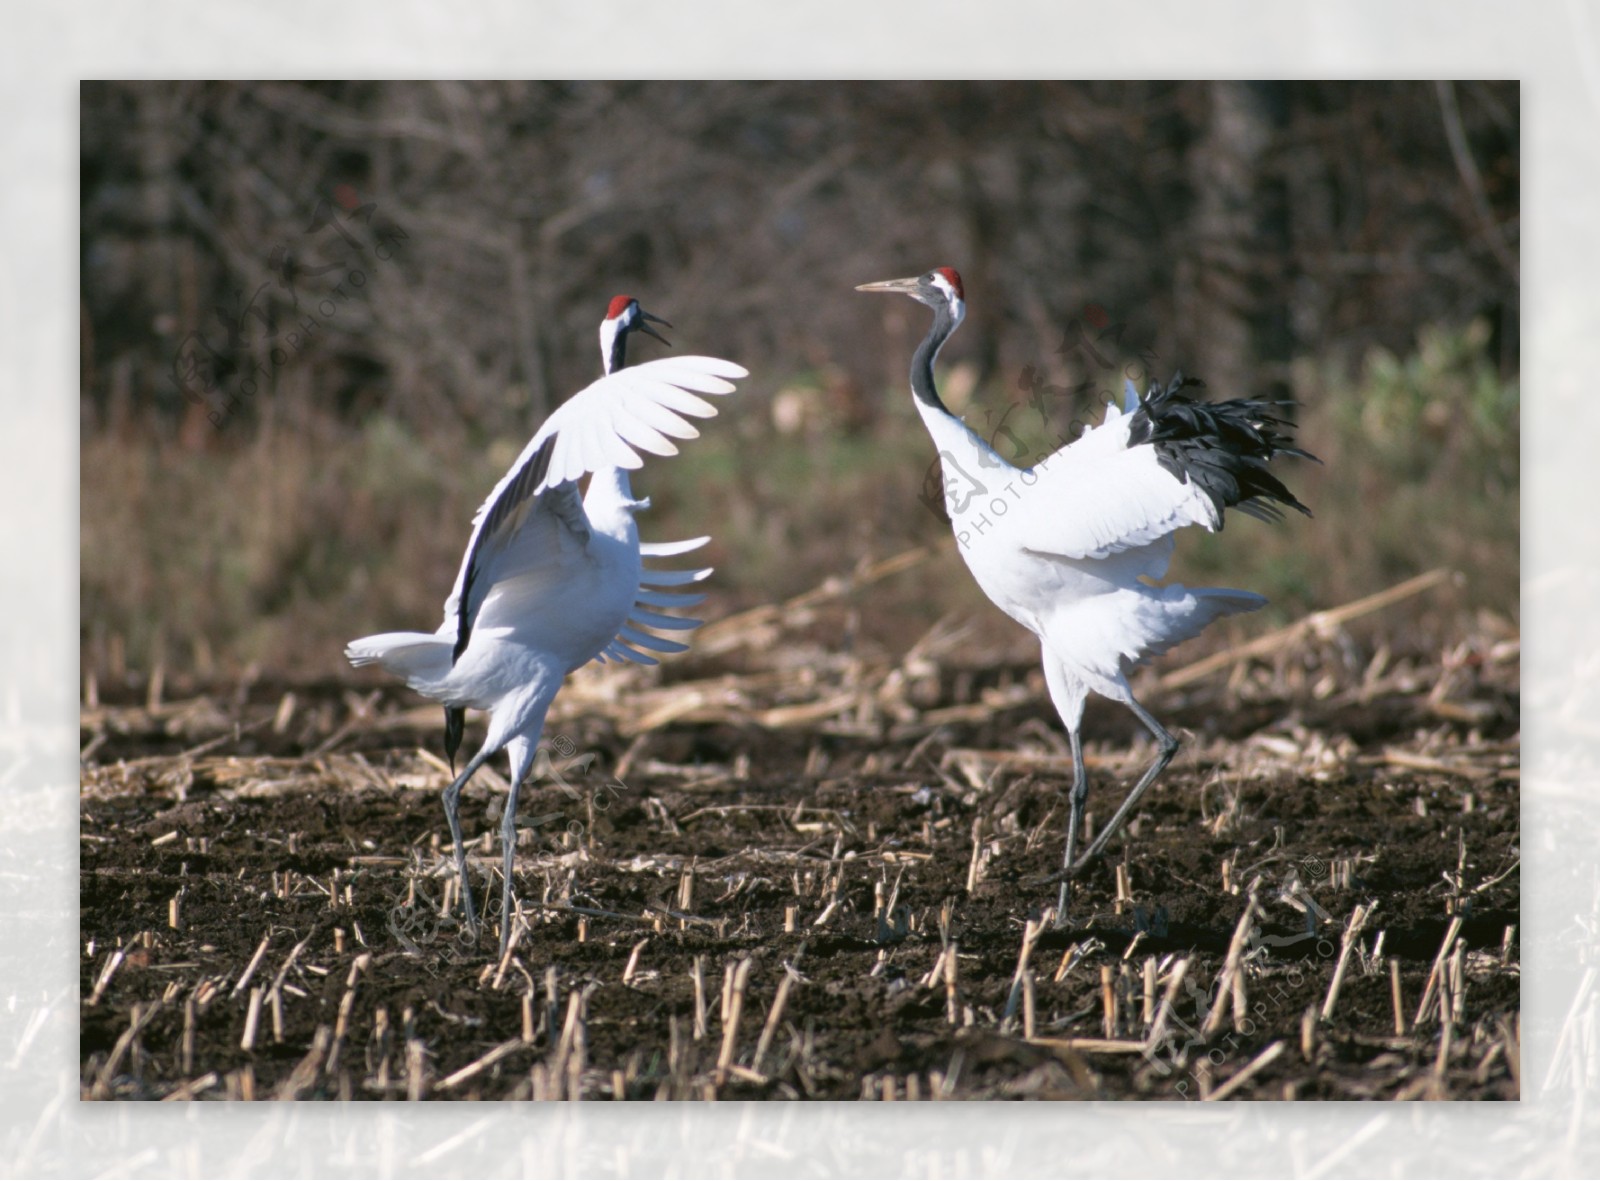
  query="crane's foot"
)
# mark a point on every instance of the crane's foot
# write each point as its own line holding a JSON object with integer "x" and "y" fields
{"x": 469, "y": 914}
{"x": 510, "y": 916}
{"x": 1063, "y": 903}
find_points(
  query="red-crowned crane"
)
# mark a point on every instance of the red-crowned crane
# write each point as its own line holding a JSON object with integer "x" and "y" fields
{"x": 550, "y": 582}
{"x": 1070, "y": 547}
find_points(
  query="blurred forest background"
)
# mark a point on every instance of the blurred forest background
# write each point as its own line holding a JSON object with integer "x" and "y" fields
{"x": 320, "y": 319}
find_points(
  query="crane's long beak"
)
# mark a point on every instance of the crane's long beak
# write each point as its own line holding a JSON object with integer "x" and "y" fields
{"x": 646, "y": 319}
{"x": 903, "y": 286}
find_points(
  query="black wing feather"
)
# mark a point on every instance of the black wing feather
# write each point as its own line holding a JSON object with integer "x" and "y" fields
{"x": 516, "y": 492}
{"x": 1223, "y": 448}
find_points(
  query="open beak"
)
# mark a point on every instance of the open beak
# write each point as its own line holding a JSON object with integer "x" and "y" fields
{"x": 646, "y": 319}
{"x": 903, "y": 286}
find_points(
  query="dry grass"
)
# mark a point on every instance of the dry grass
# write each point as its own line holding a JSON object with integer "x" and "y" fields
{"x": 272, "y": 548}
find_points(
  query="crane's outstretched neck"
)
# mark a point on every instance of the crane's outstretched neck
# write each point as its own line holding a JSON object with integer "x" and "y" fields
{"x": 960, "y": 447}
{"x": 946, "y": 319}
{"x": 961, "y": 450}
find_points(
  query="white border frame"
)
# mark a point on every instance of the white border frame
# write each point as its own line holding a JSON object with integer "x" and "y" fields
{"x": 1554, "y": 47}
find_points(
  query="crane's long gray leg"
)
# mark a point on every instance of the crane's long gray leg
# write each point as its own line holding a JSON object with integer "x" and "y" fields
{"x": 1169, "y": 747}
{"x": 523, "y": 752}
{"x": 452, "y": 815}
{"x": 1075, "y": 801}
{"x": 1067, "y": 694}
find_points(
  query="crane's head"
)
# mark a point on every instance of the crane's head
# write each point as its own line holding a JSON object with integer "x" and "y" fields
{"x": 623, "y": 316}
{"x": 939, "y": 288}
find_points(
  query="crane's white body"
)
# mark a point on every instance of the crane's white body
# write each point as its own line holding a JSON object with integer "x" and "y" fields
{"x": 1066, "y": 547}
{"x": 550, "y": 582}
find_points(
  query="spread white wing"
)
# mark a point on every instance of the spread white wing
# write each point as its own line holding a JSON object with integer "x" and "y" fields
{"x": 1097, "y": 497}
{"x": 643, "y": 408}
{"x": 519, "y": 528}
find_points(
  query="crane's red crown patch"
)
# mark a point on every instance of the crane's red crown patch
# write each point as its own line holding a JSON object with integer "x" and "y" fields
{"x": 953, "y": 279}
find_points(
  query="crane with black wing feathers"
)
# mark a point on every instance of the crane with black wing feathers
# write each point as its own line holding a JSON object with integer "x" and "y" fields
{"x": 1071, "y": 547}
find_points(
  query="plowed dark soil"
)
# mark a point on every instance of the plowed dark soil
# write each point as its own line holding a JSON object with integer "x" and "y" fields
{"x": 851, "y": 864}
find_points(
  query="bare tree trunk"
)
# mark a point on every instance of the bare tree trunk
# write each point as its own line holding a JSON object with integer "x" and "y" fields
{"x": 527, "y": 347}
{"x": 983, "y": 239}
{"x": 1233, "y": 281}
{"x": 155, "y": 112}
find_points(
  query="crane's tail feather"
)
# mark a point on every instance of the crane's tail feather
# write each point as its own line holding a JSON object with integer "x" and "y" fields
{"x": 667, "y": 549}
{"x": 617, "y": 650}
{"x": 649, "y": 577}
{"x": 1188, "y": 611}
{"x": 422, "y": 658}
{"x": 631, "y": 636}
{"x": 644, "y": 618}
{"x": 652, "y": 598}
{"x": 1217, "y": 601}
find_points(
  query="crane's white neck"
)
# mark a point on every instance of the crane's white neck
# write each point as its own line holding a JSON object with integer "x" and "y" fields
{"x": 969, "y": 467}
{"x": 609, "y": 501}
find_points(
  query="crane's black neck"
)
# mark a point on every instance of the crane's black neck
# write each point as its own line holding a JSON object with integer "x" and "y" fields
{"x": 945, "y": 321}
{"x": 617, "y": 356}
